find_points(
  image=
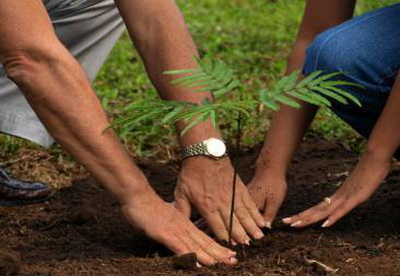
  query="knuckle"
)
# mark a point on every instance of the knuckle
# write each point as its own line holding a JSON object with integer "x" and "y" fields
{"x": 212, "y": 248}
{"x": 239, "y": 234}
{"x": 358, "y": 200}
{"x": 208, "y": 205}
{"x": 196, "y": 248}
{"x": 240, "y": 210}
{"x": 221, "y": 233}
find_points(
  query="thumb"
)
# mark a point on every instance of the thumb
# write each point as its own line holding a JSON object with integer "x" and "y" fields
{"x": 271, "y": 209}
{"x": 183, "y": 205}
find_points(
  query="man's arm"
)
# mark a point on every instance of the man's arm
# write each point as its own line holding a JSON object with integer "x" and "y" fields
{"x": 58, "y": 90}
{"x": 289, "y": 125}
{"x": 159, "y": 32}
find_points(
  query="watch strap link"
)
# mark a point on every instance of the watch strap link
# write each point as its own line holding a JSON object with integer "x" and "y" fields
{"x": 194, "y": 150}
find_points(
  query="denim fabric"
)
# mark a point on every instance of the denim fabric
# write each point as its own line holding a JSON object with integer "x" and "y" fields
{"x": 367, "y": 49}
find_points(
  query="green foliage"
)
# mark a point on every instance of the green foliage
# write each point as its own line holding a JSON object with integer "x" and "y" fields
{"x": 219, "y": 79}
{"x": 317, "y": 89}
{"x": 369, "y": 5}
{"x": 255, "y": 36}
{"x": 235, "y": 31}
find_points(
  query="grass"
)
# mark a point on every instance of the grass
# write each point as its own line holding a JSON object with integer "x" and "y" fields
{"x": 253, "y": 37}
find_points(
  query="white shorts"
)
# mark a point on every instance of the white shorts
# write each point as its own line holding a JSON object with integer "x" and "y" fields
{"x": 89, "y": 29}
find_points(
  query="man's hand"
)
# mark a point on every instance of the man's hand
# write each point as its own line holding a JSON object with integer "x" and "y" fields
{"x": 207, "y": 184}
{"x": 357, "y": 188}
{"x": 268, "y": 191}
{"x": 164, "y": 223}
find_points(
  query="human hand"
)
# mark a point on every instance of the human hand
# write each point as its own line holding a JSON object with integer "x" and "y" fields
{"x": 357, "y": 188}
{"x": 162, "y": 222}
{"x": 207, "y": 185}
{"x": 268, "y": 192}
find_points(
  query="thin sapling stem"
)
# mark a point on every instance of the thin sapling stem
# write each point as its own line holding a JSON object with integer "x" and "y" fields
{"x": 235, "y": 166}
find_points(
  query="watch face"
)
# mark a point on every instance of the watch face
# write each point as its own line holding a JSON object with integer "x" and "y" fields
{"x": 216, "y": 147}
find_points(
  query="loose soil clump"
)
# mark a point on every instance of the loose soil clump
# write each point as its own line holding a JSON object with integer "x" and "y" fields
{"x": 80, "y": 231}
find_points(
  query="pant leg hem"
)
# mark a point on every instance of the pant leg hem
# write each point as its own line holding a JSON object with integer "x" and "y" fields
{"x": 26, "y": 128}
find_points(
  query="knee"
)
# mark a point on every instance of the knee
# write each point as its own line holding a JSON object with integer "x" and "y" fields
{"x": 337, "y": 50}
{"x": 327, "y": 53}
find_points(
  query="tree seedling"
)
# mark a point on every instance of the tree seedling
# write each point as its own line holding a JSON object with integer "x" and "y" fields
{"x": 317, "y": 88}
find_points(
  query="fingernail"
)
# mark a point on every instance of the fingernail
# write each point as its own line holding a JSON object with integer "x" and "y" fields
{"x": 233, "y": 260}
{"x": 232, "y": 253}
{"x": 258, "y": 235}
{"x": 247, "y": 242}
{"x": 268, "y": 225}
{"x": 233, "y": 243}
{"x": 198, "y": 265}
{"x": 325, "y": 224}
{"x": 298, "y": 222}
{"x": 287, "y": 220}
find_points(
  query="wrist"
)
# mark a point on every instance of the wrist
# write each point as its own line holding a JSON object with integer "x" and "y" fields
{"x": 134, "y": 189}
{"x": 265, "y": 167}
{"x": 270, "y": 175}
{"x": 205, "y": 162}
{"x": 198, "y": 133}
{"x": 377, "y": 154}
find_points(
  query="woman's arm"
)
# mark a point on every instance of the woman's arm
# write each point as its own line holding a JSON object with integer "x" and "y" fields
{"x": 289, "y": 125}
{"x": 369, "y": 173}
{"x": 319, "y": 16}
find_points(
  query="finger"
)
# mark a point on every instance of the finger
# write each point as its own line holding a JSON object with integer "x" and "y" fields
{"x": 175, "y": 244}
{"x": 204, "y": 258}
{"x": 193, "y": 247}
{"x": 340, "y": 212}
{"x": 271, "y": 209}
{"x": 247, "y": 221}
{"x": 213, "y": 249}
{"x": 239, "y": 235}
{"x": 183, "y": 204}
{"x": 253, "y": 210}
{"x": 217, "y": 226}
{"x": 312, "y": 215}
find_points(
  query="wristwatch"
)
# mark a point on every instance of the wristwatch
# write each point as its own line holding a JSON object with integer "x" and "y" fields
{"x": 213, "y": 148}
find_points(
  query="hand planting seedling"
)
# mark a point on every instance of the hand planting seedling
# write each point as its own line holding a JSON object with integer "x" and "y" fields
{"x": 317, "y": 88}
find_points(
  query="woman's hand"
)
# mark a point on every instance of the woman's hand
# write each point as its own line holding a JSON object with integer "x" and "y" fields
{"x": 268, "y": 192}
{"x": 362, "y": 182}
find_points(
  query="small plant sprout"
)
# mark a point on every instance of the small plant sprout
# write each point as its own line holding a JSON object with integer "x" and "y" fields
{"x": 216, "y": 77}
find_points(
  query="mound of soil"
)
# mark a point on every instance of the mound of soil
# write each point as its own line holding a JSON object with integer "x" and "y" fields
{"x": 80, "y": 231}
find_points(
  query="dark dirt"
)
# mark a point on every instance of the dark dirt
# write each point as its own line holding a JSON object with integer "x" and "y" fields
{"x": 81, "y": 232}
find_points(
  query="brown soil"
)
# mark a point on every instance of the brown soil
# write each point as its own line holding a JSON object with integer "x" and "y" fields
{"x": 81, "y": 232}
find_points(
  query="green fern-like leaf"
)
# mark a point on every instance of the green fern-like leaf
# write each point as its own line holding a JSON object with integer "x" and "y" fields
{"x": 317, "y": 89}
{"x": 208, "y": 76}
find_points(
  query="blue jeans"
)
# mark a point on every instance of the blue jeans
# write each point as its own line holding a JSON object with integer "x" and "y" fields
{"x": 367, "y": 49}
